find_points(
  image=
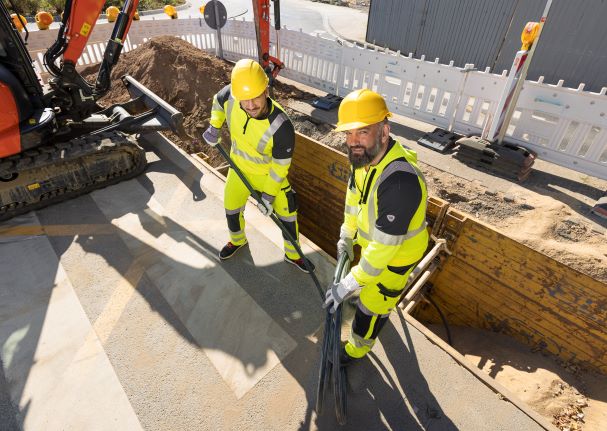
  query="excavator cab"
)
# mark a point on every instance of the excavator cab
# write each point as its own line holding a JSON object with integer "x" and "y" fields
{"x": 56, "y": 142}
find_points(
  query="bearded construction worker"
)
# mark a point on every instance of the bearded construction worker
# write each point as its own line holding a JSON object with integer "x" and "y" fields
{"x": 263, "y": 140}
{"x": 385, "y": 213}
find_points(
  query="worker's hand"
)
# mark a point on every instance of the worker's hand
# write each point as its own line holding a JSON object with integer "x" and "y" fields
{"x": 345, "y": 245}
{"x": 338, "y": 292}
{"x": 211, "y": 135}
{"x": 265, "y": 206}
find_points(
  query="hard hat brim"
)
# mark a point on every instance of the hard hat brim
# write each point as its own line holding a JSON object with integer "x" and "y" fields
{"x": 357, "y": 124}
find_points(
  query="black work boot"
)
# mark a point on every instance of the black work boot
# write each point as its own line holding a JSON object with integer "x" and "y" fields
{"x": 229, "y": 250}
{"x": 299, "y": 263}
{"x": 345, "y": 359}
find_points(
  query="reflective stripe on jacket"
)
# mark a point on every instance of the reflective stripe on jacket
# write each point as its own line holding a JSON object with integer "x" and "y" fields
{"x": 391, "y": 242}
{"x": 259, "y": 146}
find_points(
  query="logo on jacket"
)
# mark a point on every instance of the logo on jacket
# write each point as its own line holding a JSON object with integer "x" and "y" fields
{"x": 390, "y": 218}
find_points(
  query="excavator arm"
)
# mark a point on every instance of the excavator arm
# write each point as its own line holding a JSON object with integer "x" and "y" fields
{"x": 261, "y": 12}
{"x": 70, "y": 91}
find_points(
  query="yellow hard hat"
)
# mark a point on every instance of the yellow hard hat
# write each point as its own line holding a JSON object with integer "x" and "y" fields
{"x": 112, "y": 13}
{"x": 18, "y": 22}
{"x": 43, "y": 20}
{"x": 136, "y": 16}
{"x": 248, "y": 79}
{"x": 361, "y": 108}
{"x": 170, "y": 11}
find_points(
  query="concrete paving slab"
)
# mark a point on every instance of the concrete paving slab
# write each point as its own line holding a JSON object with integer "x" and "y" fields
{"x": 195, "y": 343}
{"x": 50, "y": 352}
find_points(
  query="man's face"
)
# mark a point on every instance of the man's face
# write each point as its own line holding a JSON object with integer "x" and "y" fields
{"x": 255, "y": 107}
{"x": 364, "y": 144}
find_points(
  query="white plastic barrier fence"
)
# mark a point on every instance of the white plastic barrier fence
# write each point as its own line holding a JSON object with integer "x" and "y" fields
{"x": 563, "y": 125}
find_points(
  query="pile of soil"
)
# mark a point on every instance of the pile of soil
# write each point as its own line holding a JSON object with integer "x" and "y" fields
{"x": 188, "y": 78}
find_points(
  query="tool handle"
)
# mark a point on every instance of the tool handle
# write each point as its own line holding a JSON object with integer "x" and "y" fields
{"x": 273, "y": 216}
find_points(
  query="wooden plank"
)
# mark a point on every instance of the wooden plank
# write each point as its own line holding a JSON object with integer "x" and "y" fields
{"x": 510, "y": 326}
{"x": 540, "y": 267}
{"x": 563, "y": 295}
{"x": 457, "y": 288}
{"x": 593, "y": 340}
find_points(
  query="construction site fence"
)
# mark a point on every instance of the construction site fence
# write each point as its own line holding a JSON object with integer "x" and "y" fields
{"x": 562, "y": 125}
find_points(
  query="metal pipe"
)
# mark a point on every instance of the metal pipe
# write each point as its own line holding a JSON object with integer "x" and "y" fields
{"x": 219, "y": 46}
{"x": 420, "y": 283}
{"x": 440, "y": 243}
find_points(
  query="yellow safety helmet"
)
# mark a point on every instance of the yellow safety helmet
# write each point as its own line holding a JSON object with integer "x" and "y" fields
{"x": 170, "y": 11}
{"x": 361, "y": 108}
{"x": 248, "y": 79}
{"x": 18, "y": 22}
{"x": 136, "y": 16}
{"x": 112, "y": 13}
{"x": 43, "y": 20}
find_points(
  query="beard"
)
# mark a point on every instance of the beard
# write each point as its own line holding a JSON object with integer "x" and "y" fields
{"x": 364, "y": 159}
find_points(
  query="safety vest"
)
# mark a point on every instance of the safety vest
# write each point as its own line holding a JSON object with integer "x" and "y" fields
{"x": 379, "y": 249}
{"x": 253, "y": 139}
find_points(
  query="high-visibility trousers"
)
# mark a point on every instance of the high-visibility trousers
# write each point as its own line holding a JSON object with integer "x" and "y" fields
{"x": 373, "y": 308}
{"x": 235, "y": 197}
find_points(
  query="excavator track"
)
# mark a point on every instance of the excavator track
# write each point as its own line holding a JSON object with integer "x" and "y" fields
{"x": 55, "y": 173}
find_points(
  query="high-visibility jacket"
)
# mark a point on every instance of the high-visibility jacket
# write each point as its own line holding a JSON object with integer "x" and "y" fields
{"x": 386, "y": 208}
{"x": 261, "y": 146}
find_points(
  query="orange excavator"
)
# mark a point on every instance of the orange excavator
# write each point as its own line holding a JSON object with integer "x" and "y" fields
{"x": 56, "y": 142}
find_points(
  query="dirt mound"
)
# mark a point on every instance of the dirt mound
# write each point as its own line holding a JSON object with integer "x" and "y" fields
{"x": 184, "y": 76}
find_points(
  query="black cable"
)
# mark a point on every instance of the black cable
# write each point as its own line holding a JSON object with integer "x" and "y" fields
{"x": 339, "y": 372}
{"x": 324, "y": 368}
{"x": 442, "y": 316}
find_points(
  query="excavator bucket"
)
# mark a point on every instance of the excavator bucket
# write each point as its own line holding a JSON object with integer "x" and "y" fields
{"x": 166, "y": 116}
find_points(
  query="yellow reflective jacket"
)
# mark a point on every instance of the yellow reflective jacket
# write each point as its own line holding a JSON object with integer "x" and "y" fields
{"x": 261, "y": 146}
{"x": 386, "y": 208}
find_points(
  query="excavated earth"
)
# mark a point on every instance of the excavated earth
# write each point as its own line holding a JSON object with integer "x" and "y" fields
{"x": 188, "y": 78}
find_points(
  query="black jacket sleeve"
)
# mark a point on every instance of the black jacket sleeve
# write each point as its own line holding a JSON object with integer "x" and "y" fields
{"x": 398, "y": 198}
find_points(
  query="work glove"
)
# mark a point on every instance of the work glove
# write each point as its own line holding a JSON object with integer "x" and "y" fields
{"x": 338, "y": 292}
{"x": 345, "y": 245}
{"x": 265, "y": 206}
{"x": 211, "y": 135}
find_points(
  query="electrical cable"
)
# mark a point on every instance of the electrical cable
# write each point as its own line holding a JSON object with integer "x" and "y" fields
{"x": 330, "y": 360}
{"x": 442, "y": 317}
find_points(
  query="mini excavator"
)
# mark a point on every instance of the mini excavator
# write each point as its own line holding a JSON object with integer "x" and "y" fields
{"x": 56, "y": 142}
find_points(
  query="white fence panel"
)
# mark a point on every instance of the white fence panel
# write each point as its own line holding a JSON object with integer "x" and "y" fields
{"x": 564, "y": 126}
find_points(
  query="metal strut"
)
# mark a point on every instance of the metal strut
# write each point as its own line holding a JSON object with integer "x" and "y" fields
{"x": 274, "y": 218}
{"x": 330, "y": 362}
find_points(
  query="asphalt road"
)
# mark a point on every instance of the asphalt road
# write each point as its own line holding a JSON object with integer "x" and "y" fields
{"x": 311, "y": 17}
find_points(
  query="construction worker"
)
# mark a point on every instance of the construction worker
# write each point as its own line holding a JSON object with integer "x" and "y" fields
{"x": 263, "y": 140}
{"x": 385, "y": 213}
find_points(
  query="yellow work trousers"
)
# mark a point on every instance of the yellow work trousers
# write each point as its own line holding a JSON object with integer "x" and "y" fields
{"x": 374, "y": 306}
{"x": 285, "y": 206}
